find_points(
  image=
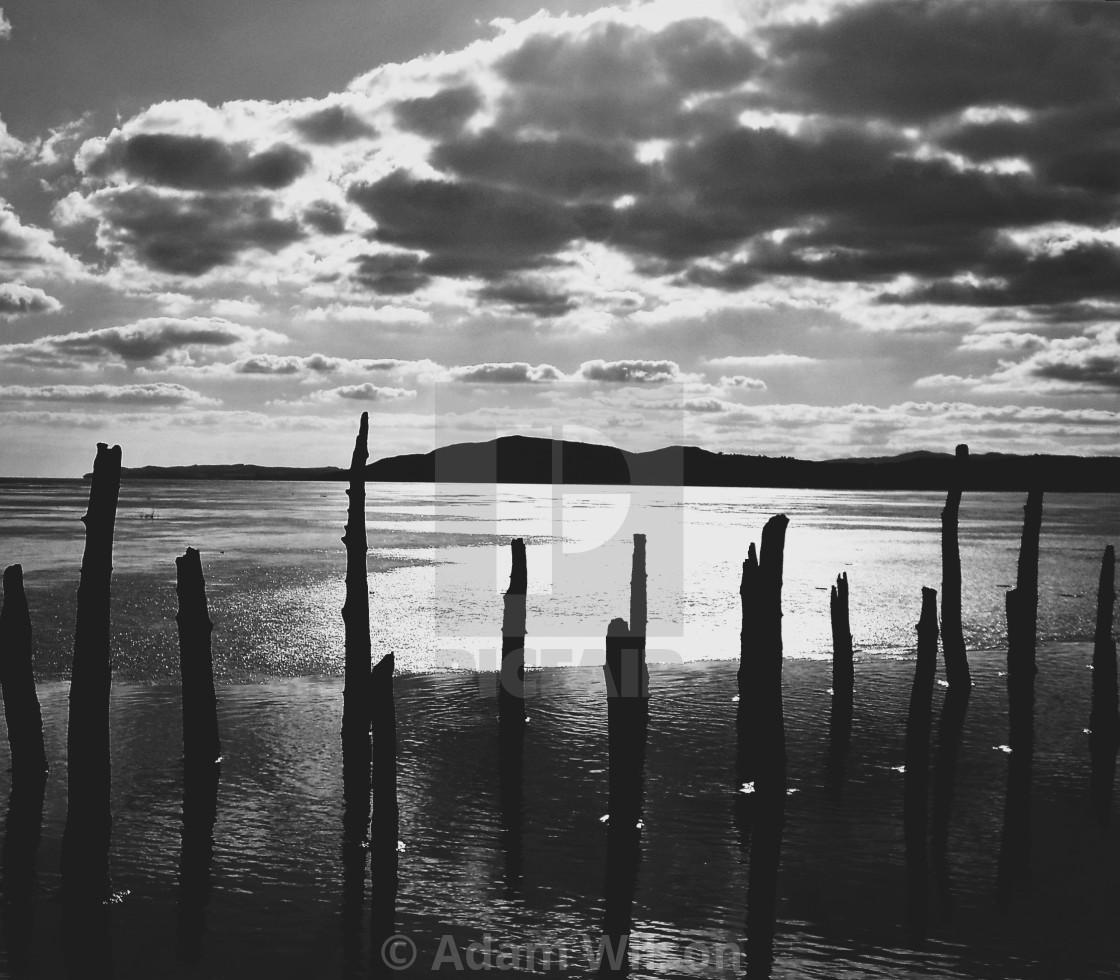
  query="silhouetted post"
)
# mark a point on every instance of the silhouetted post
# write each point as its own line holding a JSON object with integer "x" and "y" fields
{"x": 843, "y": 674}
{"x": 760, "y": 669}
{"x": 201, "y": 745}
{"x": 767, "y": 822}
{"x": 1104, "y": 721}
{"x": 196, "y": 857}
{"x": 511, "y": 677}
{"x": 1022, "y": 619}
{"x": 639, "y": 614}
{"x": 89, "y": 821}
{"x": 957, "y": 673}
{"x": 17, "y": 678}
{"x": 22, "y": 829}
{"x": 385, "y": 821}
{"x": 355, "y": 612}
{"x": 916, "y": 793}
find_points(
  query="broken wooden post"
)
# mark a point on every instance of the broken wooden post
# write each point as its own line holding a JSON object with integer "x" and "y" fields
{"x": 196, "y": 857}
{"x": 1022, "y": 620}
{"x": 23, "y": 828}
{"x": 915, "y": 794}
{"x": 201, "y": 745}
{"x": 639, "y": 603}
{"x": 1104, "y": 721}
{"x": 760, "y": 718}
{"x": 89, "y": 820}
{"x": 17, "y": 678}
{"x": 952, "y": 630}
{"x": 355, "y": 612}
{"x": 843, "y": 675}
{"x": 511, "y": 676}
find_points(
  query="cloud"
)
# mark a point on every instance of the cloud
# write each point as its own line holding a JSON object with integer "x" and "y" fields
{"x": 155, "y": 341}
{"x": 161, "y": 394}
{"x": 5, "y": 26}
{"x": 525, "y": 296}
{"x": 343, "y": 313}
{"x": 390, "y": 273}
{"x": 333, "y": 123}
{"x": 190, "y": 235}
{"x": 653, "y": 372}
{"x": 364, "y": 392}
{"x": 189, "y": 162}
{"x": 442, "y": 114}
{"x": 505, "y": 373}
{"x": 27, "y": 251}
{"x": 17, "y": 299}
{"x": 740, "y": 381}
{"x": 761, "y": 361}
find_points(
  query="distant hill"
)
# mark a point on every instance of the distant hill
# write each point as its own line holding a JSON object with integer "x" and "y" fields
{"x": 526, "y": 459}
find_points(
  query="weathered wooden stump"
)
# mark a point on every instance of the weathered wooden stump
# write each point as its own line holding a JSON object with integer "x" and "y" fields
{"x": 957, "y": 672}
{"x": 17, "y": 678}
{"x": 202, "y": 746}
{"x": 355, "y": 611}
{"x": 760, "y": 716}
{"x": 89, "y": 821}
{"x": 511, "y": 676}
{"x": 843, "y": 671}
{"x": 23, "y": 828}
{"x": 385, "y": 819}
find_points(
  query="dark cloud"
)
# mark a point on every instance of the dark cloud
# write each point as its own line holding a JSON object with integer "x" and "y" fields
{"x": 199, "y": 162}
{"x": 630, "y": 371}
{"x": 191, "y": 236}
{"x": 390, "y": 274}
{"x": 468, "y": 228}
{"x": 1090, "y": 270}
{"x": 443, "y": 114}
{"x": 916, "y": 60}
{"x": 325, "y": 217}
{"x": 614, "y": 80}
{"x": 566, "y": 167}
{"x": 527, "y": 297}
{"x": 333, "y": 124}
{"x": 17, "y": 299}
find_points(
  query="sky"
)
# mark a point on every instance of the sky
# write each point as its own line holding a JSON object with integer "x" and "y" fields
{"x": 814, "y": 228}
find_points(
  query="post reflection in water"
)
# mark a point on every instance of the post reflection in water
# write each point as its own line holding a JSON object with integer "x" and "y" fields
{"x": 200, "y": 808}
{"x": 760, "y": 821}
{"x": 839, "y": 740}
{"x": 949, "y": 731}
{"x": 356, "y": 785}
{"x": 22, "y": 829}
{"x": 511, "y": 793}
{"x": 385, "y": 820}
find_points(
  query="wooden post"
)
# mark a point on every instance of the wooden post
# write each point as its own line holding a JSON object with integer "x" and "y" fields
{"x": 196, "y": 857}
{"x": 916, "y": 792}
{"x": 355, "y": 613}
{"x": 511, "y": 676}
{"x": 1022, "y": 620}
{"x": 957, "y": 673}
{"x": 23, "y": 827}
{"x": 761, "y": 724}
{"x": 89, "y": 820}
{"x": 201, "y": 745}
{"x": 949, "y": 731}
{"x": 17, "y": 678}
{"x": 843, "y": 675}
{"x": 639, "y": 614}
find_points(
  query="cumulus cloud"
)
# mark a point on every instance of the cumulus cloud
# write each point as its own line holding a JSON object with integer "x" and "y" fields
{"x": 5, "y": 26}
{"x": 332, "y": 123}
{"x": 155, "y": 341}
{"x": 760, "y": 361}
{"x": 161, "y": 394}
{"x": 17, "y": 299}
{"x": 364, "y": 392}
{"x": 505, "y": 373}
{"x": 742, "y": 382}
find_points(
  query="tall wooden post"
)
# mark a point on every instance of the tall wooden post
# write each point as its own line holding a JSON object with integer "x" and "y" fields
{"x": 201, "y": 745}
{"x": 17, "y": 678}
{"x": 1104, "y": 721}
{"x": 957, "y": 673}
{"x": 355, "y": 613}
{"x": 511, "y": 676}
{"x": 89, "y": 821}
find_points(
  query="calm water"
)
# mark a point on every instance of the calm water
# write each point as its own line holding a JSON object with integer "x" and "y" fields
{"x": 272, "y": 898}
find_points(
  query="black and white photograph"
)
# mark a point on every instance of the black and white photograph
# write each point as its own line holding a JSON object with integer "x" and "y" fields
{"x": 559, "y": 488}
